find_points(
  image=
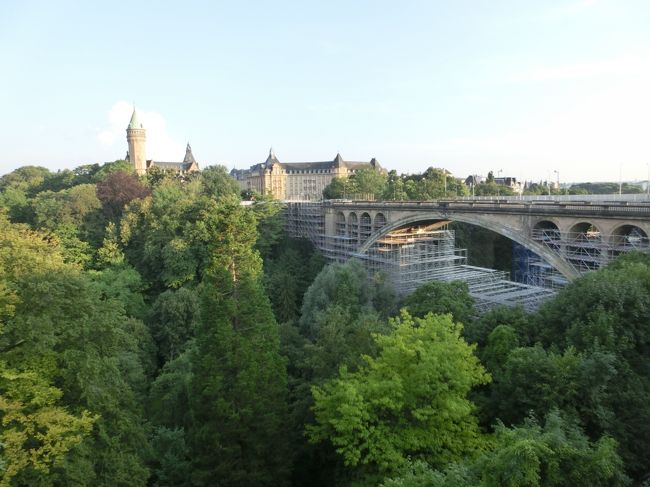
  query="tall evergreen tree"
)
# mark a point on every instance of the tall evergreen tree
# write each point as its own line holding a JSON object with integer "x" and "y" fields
{"x": 239, "y": 384}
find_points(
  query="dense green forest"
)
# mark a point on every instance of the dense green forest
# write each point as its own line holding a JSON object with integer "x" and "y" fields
{"x": 154, "y": 331}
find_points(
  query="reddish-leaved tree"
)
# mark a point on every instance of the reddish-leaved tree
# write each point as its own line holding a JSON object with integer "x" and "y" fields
{"x": 118, "y": 189}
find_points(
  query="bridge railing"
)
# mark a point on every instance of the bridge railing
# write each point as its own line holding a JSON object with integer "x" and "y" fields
{"x": 636, "y": 197}
{"x": 639, "y": 197}
{"x": 611, "y": 208}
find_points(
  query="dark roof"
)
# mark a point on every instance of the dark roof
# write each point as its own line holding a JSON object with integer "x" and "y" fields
{"x": 186, "y": 165}
{"x": 307, "y": 166}
{"x": 312, "y": 166}
{"x": 189, "y": 157}
{"x": 304, "y": 166}
{"x": 271, "y": 159}
{"x": 175, "y": 166}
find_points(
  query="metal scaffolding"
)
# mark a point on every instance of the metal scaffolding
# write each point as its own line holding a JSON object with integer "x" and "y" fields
{"x": 410, "y": 257}
{"x": 305, "y": 219}
{"x": 585, "y": 248}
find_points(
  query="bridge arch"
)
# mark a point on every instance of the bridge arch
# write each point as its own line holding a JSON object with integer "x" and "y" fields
{"x": 547, "y": 253}
{"x": 341, "y": 226}
{"x": 548, "y": 233}
{"x": 583, "y": 228}
{"x": 353, "y": 225}
{"x": 546, "y": 225}
{"x": 628, "y": 237}
{"x": 380, "y": 221}
{"x": 365, "y": 227}
{"x": 584, "y": 246}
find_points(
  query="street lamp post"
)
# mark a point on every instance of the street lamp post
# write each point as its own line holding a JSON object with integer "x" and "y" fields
{"x": 620, "y": 179}
{"x": 558, "y": 180}
{"x": 499, "y": 177}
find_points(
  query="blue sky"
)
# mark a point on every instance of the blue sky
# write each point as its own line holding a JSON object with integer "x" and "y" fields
{"x": 524, "y": 87}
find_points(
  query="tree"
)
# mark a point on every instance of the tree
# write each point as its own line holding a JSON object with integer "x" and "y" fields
{"x": 478, "y": 330}
{"x": 171, "y": 458}
{"x": 170, "y": 392}
{"x": 557, "y": 454}
{"x": 16, "y": 202}
{"x": 289, "y": 269}
{"x": 117, "y": 190}
{"x": 36, "y": 432}
{"x": 582, "y": 353}
{"x": 155, "y": 234}
{"x": 73, "y": 216}
{"x": 395, "y": 187}
{"x": 491, "y": 188}
{"x": 370, "y": 183}
{"x": 216, "y": 182}
{"x": 338, "y": 188}
{"x": 604, "y": 314}
{"x": 239, "y": 382}
{"x": 344, "y": 286}
{"x": 109, "y": 168}
{"x": 270, "y": 222}
{"x": 440, "y": 298}
{"x": 408, "y": 402}
{"x": 29, "y": 179}
{"x": 66, "y": 329}
{"x": 174, "y": 319}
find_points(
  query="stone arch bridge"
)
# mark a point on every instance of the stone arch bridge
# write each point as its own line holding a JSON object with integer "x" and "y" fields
{"x": 573, "y": 234}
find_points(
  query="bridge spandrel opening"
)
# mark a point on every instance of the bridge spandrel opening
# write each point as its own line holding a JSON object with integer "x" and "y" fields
{"x": 628, "y": 238}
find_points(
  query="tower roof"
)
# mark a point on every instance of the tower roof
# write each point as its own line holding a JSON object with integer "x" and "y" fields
{"x": 338, "y": 160}
{"x": 135, "y": 122}
{"x": 189, "y": 157}
{"x": 271, "y": 159}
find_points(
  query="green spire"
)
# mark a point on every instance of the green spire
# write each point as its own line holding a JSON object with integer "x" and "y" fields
{"x": 135, "y": 123}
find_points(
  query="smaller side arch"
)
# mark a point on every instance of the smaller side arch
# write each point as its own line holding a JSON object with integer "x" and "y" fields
{"x": 341, "y": 226}
{"x": 584, "y": 248}
{"x": 547, "y": 233}
{"x": 353, "y": 225}
{"x": 380, "y": 221}
{"x": 627, "y": 238}
{"x": 365, "y": 227}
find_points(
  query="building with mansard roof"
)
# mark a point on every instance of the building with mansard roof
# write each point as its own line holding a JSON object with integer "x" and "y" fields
{"x": 297, "y": 180}
{"x": 136, "y": 138}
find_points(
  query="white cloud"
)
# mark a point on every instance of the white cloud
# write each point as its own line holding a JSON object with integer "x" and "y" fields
{"x": 160, "y": 144}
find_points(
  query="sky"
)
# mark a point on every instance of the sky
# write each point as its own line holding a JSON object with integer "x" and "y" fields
{"x": 534, "y": 90}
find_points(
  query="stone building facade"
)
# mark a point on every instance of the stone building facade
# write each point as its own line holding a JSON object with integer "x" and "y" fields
{"x": 296, "y": 180}
{"x": 136, "y": 137}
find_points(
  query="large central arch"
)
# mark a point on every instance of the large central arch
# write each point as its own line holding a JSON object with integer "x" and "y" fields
{"x": 553, "y": 258}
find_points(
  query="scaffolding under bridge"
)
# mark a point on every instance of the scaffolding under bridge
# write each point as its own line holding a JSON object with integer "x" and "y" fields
{"x": 410, "y": 257}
